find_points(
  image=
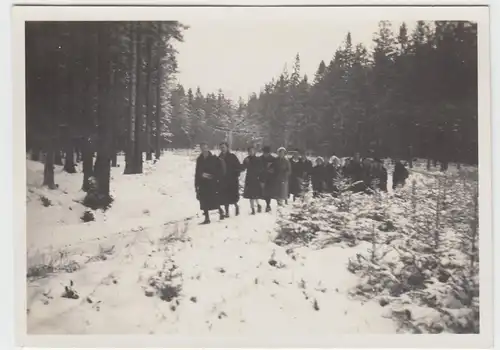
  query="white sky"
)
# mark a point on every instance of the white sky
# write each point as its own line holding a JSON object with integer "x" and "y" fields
{"x": 241, "y": 56}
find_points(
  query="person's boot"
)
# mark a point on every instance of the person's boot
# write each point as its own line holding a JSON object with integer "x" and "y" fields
{"x": 259, "y": 208}
{"x": 207, "y": 220}
{"x": 253, "y": 211}
{"x": 221, "y": 214}
{"x": 268, "y": 208}
{"x": 237, "y": 210}
{"x": 227, "y": 211}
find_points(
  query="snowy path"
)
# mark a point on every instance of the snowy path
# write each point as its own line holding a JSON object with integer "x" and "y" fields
{"x": 235, "y": 281}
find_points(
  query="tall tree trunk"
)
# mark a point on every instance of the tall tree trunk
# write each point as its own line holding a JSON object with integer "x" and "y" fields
{"x": 48, "y": 171}
{"x": 102, "y": 168}
{"x": 129, "y": 153}
{"x": 159, "y": 77}
{"x": 138, "y": 106}
{"x": 149, "y": 118}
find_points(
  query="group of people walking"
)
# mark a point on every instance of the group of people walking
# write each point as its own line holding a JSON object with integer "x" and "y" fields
{"x": 279, "y": 178}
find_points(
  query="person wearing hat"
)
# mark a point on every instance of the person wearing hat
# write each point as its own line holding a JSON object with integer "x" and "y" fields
{"x": 267, "y": 176}
{"x": 283, "y": 170}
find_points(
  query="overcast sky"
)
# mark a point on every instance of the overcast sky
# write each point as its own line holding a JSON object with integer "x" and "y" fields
{"x": 241, "y": 56}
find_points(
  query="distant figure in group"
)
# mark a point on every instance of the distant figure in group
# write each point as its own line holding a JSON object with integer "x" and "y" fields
{"x": 207, "y": 182}
{"x": 334, "y": 173}
{"x": 283, "y": 170}
{"x": 319, "y": 177}
{"x": 253, "y": 189}
{"x": 230, "y": 184}
{"x": 297, "y": 175}
{"x": 399, "y": 175}
{"x": 354, "y": 171}
{"x": 268, "y": 175}
{"x": 379, "y": 175}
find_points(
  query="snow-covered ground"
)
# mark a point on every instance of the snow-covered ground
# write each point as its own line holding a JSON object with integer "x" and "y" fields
{"x": 146, "y": 266}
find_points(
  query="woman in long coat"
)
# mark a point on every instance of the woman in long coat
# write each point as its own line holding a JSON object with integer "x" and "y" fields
{"x": 253, "y": 189}
{"x": 231, "y": 181}
{"x": 207, "y": 182}
{"x": 267, "y": 177}
{"x": 283, "y": 170}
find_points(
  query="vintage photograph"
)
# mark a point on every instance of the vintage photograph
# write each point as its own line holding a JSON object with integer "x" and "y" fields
{"x": 221, "y": 176}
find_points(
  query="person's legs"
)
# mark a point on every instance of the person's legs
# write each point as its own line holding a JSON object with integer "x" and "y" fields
{"x": 207, "y": 217}
{"x": 259, "y": 207}
{"x": 268, "y": 204}
{"x": 237, "y": 209}
{"x": 227, "y": 210}
{"x": 221, "y": 213}
{"x": 252, "y": 206}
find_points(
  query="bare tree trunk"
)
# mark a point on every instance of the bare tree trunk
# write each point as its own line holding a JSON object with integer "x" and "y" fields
{"x": 48, "y": 171}
{"x": 102, "y": 168}
{"x": 138, "y": 106}
{"x": 129, "y": 153}
{"x": 149, "y": 119}
{"x": 159, "y": 72}
{"x": 428, "y": 164}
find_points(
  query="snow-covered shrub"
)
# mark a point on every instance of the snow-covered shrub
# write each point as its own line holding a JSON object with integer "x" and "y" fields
{"x": 432, "y": 265}
{"x": 166, "y": 283}
{"x": 45, "y": 201}
{"x": 423, "y": 259}
{"x": 87, "y": 216}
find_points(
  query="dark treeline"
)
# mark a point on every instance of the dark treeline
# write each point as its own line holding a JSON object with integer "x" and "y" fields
{"x": 94, "y": 89}
{"x": 413, "y": 95}
{"x": 97, "y": 88}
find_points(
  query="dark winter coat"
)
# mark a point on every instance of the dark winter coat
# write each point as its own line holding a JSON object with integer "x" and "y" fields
{"x": 297, "y": 176}
{"x": 320, "y": 179}
{"x": 231, "y": 181}
{"x": 380, "y": 175}
{"x": 399, "y": 175}
{"x": 254, "y": 167}
{"x": 208, "y": 190}
{"x": 355, "y": 172}
{"x": 282, "y": 170}
{"x": 268, "y": 175}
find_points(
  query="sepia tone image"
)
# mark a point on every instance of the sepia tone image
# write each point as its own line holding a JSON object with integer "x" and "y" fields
{"x": 252, "y": 177}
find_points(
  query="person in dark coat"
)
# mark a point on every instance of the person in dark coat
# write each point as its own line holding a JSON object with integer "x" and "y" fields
{"x": 253, "y": 189}
{"x": 308, "y": 166}
{"x": 268, "y": 175}
{"x": 297, "y": 175}
{"x": 207, "y": 182}
{"x": 380, "y": 175}
{"x": 283, "y": 170}
{"x": 399, "y": 175}
{"x": 319, "y": 177}
{"x": 354, "y": 171}
{"x": 231, "y": 181}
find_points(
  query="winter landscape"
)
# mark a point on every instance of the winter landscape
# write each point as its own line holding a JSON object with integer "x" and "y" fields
{"x": 376, "y": 233}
